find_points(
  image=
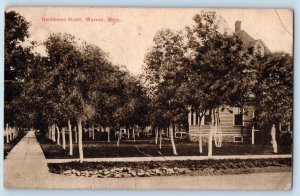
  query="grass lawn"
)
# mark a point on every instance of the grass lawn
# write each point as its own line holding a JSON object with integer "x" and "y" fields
{"x": 142, "y": 148}
{"x": 9, "y": 146}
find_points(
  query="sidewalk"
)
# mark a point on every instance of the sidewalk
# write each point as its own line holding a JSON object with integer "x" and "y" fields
{"x": 26, "y": 167}
{"x": 172, "y": 158}
{"x": 26, "y": 164}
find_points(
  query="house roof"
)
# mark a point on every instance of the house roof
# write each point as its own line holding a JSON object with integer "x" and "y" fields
{"x": 248, "y": 40}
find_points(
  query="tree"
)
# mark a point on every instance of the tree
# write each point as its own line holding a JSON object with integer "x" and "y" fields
{"x": 79, "y": 74}
{"x": 164, "y": 64}
{"x": 274, "y": 91}
{"x": 16, "y": 55}
{"x": 132, "y": 108}
{"x": 67, "y": 82}
{"x": 220, "y": 73}
{"x": 202, "y": 69}
{"x": 17, "y": 58}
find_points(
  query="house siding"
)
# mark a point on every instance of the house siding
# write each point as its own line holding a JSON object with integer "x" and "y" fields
{"x": 229, "y": 130}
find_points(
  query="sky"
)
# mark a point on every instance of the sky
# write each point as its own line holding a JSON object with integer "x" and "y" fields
{"x": 127, "y": 33}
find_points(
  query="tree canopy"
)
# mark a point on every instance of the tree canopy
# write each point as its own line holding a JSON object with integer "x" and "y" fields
{"x": 199, "y": 67}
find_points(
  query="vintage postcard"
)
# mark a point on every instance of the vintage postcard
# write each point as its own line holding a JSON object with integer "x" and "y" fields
{"x": 148, "y": 98}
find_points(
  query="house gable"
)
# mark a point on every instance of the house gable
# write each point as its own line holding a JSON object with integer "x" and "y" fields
{"x": 251, "y": 44}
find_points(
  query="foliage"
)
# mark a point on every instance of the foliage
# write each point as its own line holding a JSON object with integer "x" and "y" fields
{"x": 17, "y": 58}
{"x": 199, "y": 67}
{"x": 164, "y": 65}
{"x": 274, "y": 90}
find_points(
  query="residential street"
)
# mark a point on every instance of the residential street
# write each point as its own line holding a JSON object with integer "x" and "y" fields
{"x": 26, "y": 167}
{"x": 157, "y": 98}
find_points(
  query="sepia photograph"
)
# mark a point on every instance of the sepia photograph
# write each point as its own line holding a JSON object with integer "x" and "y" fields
{"x": 148, "y": 98}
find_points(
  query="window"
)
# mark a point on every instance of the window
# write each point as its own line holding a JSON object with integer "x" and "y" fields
{"x": 284, "y": 128}
{"x": 238, "y": 119}
{"x": 237, "y": 139}
{"x": 260, "y": 49}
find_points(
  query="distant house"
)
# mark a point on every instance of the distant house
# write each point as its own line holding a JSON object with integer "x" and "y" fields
{"x": 234, "y": 126}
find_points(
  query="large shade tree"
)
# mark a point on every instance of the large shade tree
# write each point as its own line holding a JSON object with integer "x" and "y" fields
{"x": 274, "y": 92}
{"x": 82, "y": 87}
{"x": 164, "y": 63}
{"x": 82, "y": 71}
{"x": 219, "y": 73}
{"x": 202, "y": 69}
{"x": 17, "y": 58}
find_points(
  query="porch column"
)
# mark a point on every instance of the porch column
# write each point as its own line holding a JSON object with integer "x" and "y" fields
{"x": 190, "y": 116}
{"x": 252, "y": 131}
{"x": 194, "y": 117}
{"x": 252, "y": 135}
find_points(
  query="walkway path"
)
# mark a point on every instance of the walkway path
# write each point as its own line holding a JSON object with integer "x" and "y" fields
{"x": 26, "y": 164}
{"x": 26, "y": 167}
{"x": 171, "y": 158}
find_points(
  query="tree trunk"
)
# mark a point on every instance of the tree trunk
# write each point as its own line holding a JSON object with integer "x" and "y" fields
{"x": 17, "y": 132}
{"x": 90, "y": 132}
{"x": 200, "y": 138}
{"x": 70, "y": 138}
{"x": 133, "y": 134}
{"x": 80, "y": 140}
{"x": 160, "y": 138}
{"x": 274, "y": 142}
{"x": 171, "y": 132}
{"x": 167, "y": 132}
{"x": 49, "y": 132}
{"x": 76, "y": 134}
{"x": 210, "y": 136}
{"x": 200, "y": 144}
{"x": 7, "y": 133}
{"x": 11, "y": 133}
{"x": 93, "y": 132}
{"x": 127, "y": 132}
{"x": 200, "y": 135}
{"x": 210, "y": 139}
{"x": 108, "y": 135}
{"x": 58, "y": 135}
{"x": 242, "y": 127}
{"x": 252, "y": 135}
{"x": 119, "y": 138}
{"x": 53, "y": 133}
{"x": 64, "y": 137}
{"x": 14, "y": 132}
{"x": 156, "y": 135}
